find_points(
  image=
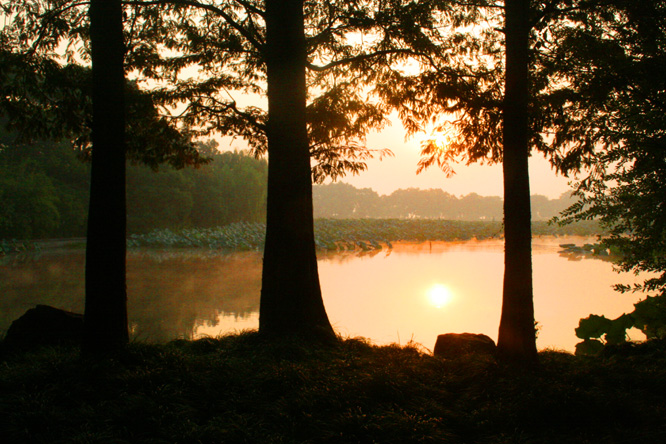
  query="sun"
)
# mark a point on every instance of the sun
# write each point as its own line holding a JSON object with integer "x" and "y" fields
{"x": 439, "y": 295}
{"x": 439, "y": 139}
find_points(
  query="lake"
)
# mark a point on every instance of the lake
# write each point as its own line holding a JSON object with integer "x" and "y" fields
{"x": 412, "y": 292}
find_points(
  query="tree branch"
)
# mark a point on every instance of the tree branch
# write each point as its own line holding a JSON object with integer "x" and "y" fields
{"x": 360, "y": 58}
{"x": 48, "y": 16}
{"x": 219, "y": 106}
{"x": 551, "y": 8}
{"x": 251, "y": 8}
{"x": 258, "y": 44}
{"x": 482, "y": 4}
{"x": 54, "y": 12}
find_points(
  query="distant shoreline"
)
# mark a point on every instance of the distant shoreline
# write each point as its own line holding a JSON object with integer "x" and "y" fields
{"x": 330, "y": 234}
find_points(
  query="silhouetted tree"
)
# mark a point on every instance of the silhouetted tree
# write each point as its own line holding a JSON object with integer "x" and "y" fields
{"x": 614, "y": 91}
{"x": 499, "y": 107}
{"x": 262, "y": 48}
{"x": 290, "y": 293}
{"x": 44, "y": 99}
{"x": 489, "y": 100}
{"x": 517, "y": 339}
{"x": 229, "y": 45}
{"x": 105, "y": 320}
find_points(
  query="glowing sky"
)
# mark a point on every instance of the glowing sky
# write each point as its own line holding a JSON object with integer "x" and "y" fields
{"x": 397, "y": 172}
{"x": 400, "y": 171}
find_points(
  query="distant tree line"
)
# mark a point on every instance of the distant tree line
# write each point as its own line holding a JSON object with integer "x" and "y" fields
{"x": 44, "y": 191}
{"x": 44, "y": 194}
{"x": 344, "y": 201}
{"x": 231, "y": 188}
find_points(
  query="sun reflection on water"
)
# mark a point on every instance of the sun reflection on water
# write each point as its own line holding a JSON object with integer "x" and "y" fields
{"x": 418, "y": 292}
{"x": 439, "y": 295}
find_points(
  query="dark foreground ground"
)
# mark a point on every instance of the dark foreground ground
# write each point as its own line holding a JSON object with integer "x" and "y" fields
{"x": 241, "y": 389}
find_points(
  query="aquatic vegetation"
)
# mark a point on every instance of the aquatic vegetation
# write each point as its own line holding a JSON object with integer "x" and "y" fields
{"x": 14, "y": 251}
{"x": 596, "y": 251}
{"x": 347, "y": 234}
{"x": 237, "y": 236}
{"x": 16, "y": 246}
{"x": 599, "y": 332}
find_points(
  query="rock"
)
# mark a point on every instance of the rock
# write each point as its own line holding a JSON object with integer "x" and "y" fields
{"x": 45, "y": 325}
{"x": 453, "y": 345}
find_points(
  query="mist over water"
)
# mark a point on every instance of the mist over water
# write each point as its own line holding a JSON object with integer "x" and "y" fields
{"x": 171, "y": 293}
{"x": 412, "y": 292}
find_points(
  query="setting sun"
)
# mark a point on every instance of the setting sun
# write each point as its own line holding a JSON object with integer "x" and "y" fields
{"x": 439, "y": 295}
{"x": 438, "y": 139}
{"x": 441, "y": 138}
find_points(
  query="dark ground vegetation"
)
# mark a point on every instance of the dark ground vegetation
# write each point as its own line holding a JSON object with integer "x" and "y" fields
{"x": 241, "y": 388}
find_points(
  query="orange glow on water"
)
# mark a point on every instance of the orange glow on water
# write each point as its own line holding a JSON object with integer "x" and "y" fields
{"x": 414, "y": 291}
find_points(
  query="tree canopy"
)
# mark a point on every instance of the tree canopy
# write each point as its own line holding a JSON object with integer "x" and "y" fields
{"x": 343, "y": 201}
{"x": 199, "y": 61}
{"x": 42, "y": 99}
{"x": 613, "y": 93}
{"x": 616, "y": 107}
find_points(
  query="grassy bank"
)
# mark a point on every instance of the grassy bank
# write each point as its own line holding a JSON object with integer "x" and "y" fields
{"x": 241, "y": 389}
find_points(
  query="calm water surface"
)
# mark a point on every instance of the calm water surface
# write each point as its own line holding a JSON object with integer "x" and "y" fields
{"x": 412, "y": 292}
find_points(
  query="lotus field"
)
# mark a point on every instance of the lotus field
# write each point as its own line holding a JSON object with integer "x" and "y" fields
{"x": 348, "y": 234}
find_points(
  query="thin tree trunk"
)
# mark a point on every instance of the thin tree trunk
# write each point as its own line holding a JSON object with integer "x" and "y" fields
{"x": 291, "y": 300}
{"x": 106, "y": 294}
{"x": 517, "y": 341}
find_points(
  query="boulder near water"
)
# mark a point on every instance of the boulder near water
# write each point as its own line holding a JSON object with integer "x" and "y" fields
{"x": 45, "y": 325}
{"x": 453, "y": 345}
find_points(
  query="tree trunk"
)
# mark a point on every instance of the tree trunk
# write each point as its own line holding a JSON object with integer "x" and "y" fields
{"x": 517, "y": 341}
{"x": 291, "y": 299}
{"x": 105, "y": 323}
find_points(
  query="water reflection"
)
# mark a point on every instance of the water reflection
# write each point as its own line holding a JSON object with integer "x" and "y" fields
{"x": 414, "y": 292}
{"x": 171, "y": 293}
{"x": 439, "y": 295}
{"x": 174, "y": 293}
{"x": 383, "y": 297}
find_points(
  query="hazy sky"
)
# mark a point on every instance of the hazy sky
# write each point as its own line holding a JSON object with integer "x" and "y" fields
{"x": 397, "y": 172}
{"x": 400, "y": 171}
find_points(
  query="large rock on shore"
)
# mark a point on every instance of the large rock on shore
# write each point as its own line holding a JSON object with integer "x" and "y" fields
{"x": 453, "y": 345}
{"x": 45, "y": 325}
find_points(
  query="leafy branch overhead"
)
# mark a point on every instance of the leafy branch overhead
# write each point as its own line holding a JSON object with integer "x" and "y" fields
{"x": 44, "y": 99}
{"x": 225, "y": 45}
{"x": 203, "y": 64}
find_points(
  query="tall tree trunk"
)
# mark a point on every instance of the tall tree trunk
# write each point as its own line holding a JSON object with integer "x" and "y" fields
{"x": 517, "y": 341}
{"x": 106, "y": 294}
{"x": 291, "y": 300}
